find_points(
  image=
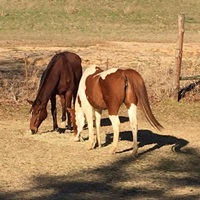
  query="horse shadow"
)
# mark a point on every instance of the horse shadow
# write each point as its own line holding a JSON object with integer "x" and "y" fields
{"x": 107, "y": 122}
{"x": 147, "y": 137}
{"x": 104, "y": 122}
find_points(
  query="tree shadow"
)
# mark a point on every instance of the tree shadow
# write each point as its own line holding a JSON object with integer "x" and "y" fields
{"x": 100, "y": 183}
{"x": 107, "y": 122}
{"x": 188, "y": 88}
{"x": 147, "y": 137}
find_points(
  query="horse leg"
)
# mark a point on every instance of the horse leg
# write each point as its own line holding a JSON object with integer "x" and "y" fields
{"x": 63, "y": 118}
{"x": 68, "y": 102}
{"x": 89, "y": 116}
{"x": 115, "y": 124}
{"x": 132, "y": 113}
{"x": 54, "y": 112}
{"x": 98, "y": 120}
{"x": 80, "y": 121}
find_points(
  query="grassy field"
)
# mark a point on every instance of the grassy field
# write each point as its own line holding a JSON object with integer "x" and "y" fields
{"x": 83, "y": 22}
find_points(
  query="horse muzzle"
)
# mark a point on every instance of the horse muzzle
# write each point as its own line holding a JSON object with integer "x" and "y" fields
{"x": 33, "y": 131}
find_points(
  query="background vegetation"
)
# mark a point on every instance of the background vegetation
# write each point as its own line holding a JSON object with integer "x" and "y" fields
{"x": 84, "y": 21}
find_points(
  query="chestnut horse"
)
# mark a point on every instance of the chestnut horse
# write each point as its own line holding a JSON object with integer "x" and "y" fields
{"x": 100, "y": 90}
{"x": 61, "y": 77}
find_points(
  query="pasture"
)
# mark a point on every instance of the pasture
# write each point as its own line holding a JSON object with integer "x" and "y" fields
{"x": 49, "y": 165}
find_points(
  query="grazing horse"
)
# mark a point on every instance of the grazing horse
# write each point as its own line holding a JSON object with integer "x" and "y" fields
{"x": 100, "y": 90}
{"x": 61, "y": 77}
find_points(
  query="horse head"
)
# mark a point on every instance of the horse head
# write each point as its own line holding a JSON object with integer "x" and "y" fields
{"x": 38, "y": 115}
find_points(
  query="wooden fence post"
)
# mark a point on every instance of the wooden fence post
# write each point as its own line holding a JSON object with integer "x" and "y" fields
{"x": 26, "y": 75}
{"x": 178, "y": 55}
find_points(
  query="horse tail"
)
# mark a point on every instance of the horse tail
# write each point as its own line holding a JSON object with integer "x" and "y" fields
{"x": 138, "y": 86}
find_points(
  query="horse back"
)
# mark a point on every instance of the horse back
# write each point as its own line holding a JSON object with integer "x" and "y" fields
{"x": 106, "y": 90}
{"x": 65, "y": 75}
{"x": 75, "y": 62}
{"x": 69, "y": 70}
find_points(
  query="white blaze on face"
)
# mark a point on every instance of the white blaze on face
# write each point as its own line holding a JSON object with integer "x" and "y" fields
{"x": 107, "y": 72}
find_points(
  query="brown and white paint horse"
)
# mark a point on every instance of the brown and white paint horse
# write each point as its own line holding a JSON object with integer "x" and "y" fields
{"x": 100, "y": 90}
{"x": 61, "y": 77}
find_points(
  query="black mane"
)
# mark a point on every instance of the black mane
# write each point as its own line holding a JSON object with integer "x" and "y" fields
{"x": 46, "y": 72}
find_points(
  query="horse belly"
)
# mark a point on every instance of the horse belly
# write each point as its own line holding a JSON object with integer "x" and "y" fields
{"x": 97, "y": 103}
{"x": 95, "y": 97}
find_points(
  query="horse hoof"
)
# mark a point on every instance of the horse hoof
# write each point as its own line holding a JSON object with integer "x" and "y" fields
{"x": 135, "y": 152}
{"x": 61, "y": 130}
{"x": 112, "y": 151}
{"x": 33, "y": 132}
{"x": 76, "y": 139}
{"x": 69, "y": 129}
{"x": 91, "y": 146}
{"x": 55, "y": 130}
{"x": 81, "y": 139}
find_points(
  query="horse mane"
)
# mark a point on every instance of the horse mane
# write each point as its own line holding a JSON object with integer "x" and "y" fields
{"x": 46, "y": 73}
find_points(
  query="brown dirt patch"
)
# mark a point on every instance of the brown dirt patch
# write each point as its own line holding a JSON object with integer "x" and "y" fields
{"x": 51, "y": 166}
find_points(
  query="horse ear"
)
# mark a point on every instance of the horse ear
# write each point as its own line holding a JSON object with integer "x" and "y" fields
{"x": 29, "y": 101}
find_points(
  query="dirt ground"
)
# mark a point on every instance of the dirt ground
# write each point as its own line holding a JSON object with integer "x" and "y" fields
{"x": 50, "y": 165}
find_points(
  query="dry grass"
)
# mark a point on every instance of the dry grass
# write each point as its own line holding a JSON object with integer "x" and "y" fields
{"x": 50, "y": 165}
{"x": 155, "y": 62}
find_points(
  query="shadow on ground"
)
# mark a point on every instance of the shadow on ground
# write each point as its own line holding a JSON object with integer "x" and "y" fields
{"x": 110, "y": 181}
{"x": 146, "y": 137}
{"x": 107, "y": 122}
{"x": 115, "y": 180}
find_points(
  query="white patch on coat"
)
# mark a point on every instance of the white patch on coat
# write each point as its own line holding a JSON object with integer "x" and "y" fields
{"x": 80, "y": 120}
{"x": 115, "y": 124}
{"x": 107, "y": 72}
{"x": 82, "y": 85}
{"x": 132, "y": 113}
{"x": 115, "y": 121}
{"x": 85, "y": 105}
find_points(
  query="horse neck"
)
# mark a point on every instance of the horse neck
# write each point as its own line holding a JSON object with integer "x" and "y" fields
{"x": 47, "y": 88}
{"x": 45, "y": 94}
